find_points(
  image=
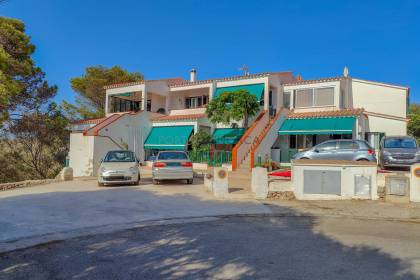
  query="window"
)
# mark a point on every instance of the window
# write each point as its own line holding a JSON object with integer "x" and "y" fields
{"x": 405, "y": 142}
{"x": 326, "y": 146}
{"x": 324, "y": 96}
{"x": 120, "y": 156}
{"x": 304, "y": 98}
{"x": 270, "y": 98}
{"x": 292, "y": 141}
{"x": 123, "y": 105}
{"x": 149, "y": 105}
{"x": 314, "y": 97}
{"x": 172, "y": 155}
{"x": 286, "y": 99}
{"x": 195, "y": 102}
{"x": 347, "y": 145}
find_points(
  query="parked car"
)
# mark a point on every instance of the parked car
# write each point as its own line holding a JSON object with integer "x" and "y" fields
{"x": 119, "y": 167}
{"x": 356, "y": 150}
{"x": 172, "y": 165}
{"x": 398, "y": 151}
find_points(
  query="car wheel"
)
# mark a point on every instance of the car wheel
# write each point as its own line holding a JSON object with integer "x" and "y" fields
{"x": 155, "y": 182}
{"x": 304, "y": 158}
{"x": 136, "y": 183}
{"x": 362, "y": 159}
{"x": 189, "y": 181}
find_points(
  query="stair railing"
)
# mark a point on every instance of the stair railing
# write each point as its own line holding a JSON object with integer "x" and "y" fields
{"x": 243, "y": 147}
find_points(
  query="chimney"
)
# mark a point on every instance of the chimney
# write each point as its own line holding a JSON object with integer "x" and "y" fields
{"x": 346, "y": 72}
{"x": 193, "y": 75}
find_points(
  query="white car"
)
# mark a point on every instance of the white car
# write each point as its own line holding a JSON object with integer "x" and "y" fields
{"x": 119, "y": 167}
{"x": 172, "y": 165}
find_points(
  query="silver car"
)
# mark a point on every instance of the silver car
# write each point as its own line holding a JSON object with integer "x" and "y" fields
{"x": 356, "y": 150}
{"x": 172, "y": 165}
{"x": 119, "y": 167}
{"x": 398, "y": 151}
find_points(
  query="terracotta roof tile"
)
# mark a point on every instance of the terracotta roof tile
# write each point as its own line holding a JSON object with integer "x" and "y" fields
{"x": 325, "y": 114}
{"x": 251, "y": 76}
{"x": 89, "y": 121}
{"x": 180, "y": 117}
{"x": 169, "y": 81}
{"x": 303, "y": 82}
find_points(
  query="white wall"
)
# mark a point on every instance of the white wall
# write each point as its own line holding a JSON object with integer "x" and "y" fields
{"x": 131, "y": 130}
{"x": 379, "y": 98}
{"x": 389, "y": 126}
{"x": 81, "y": 154}
{"x": 158, "y": 102}
{"x": 347, "y": 181}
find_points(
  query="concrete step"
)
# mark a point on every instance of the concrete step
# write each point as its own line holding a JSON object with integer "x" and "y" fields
{"x": 243, "y": 170}
{"x": 240, "y": 174}
{"x": 240, "y": 183}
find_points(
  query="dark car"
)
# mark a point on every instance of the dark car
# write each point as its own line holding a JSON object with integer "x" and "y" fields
{"x": 398, "y": 151}
{"x": 355, "y": 150}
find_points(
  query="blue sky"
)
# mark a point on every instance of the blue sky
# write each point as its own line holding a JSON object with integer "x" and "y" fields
{"x": 377, "y": 40}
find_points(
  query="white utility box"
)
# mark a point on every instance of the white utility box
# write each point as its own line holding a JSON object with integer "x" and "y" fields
{"x": 415, "y": 183}
{"x": 334, "y": 179}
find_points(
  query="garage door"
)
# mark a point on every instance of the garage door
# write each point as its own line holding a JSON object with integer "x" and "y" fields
{"x": 321, "y": 182}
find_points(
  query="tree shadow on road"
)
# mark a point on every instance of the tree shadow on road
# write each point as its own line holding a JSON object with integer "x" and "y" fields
{"x": 259, "y": 247}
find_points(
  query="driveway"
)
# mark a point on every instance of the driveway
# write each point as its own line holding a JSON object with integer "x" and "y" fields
{"x": 61, "y": 210}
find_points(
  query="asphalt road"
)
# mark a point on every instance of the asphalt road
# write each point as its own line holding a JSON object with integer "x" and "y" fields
{"x": 231, "y": 248}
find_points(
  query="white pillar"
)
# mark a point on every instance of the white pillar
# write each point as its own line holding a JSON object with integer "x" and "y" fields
{"x": 144, "y": 98}
{"x": 167, "y": 103}
{"x": 212, "y": 88}
{"x": 106, "y": 104}
{"x": 266, "y": 93}
{"x": 415, "y": 183}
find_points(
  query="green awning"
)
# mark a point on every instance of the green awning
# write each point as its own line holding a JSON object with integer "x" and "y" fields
{"x": 128, "y": 94}
{"x": 337, "y": 125}
{"x": 227, "y": 135}
{"x": 168, "y": 137}
{"x": 255, "y": 89}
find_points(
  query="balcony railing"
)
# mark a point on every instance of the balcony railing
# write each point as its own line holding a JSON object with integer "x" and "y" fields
{"x": 212, "y": 158}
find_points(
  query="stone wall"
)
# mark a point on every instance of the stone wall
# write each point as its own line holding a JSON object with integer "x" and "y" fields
{"x": 27, "y": 183}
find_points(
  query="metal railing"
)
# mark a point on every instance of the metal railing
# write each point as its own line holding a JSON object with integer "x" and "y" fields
{"x": 212, "y": 158}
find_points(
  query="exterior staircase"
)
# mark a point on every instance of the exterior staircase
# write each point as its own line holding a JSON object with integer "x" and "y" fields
{"x": 240, "y": 176}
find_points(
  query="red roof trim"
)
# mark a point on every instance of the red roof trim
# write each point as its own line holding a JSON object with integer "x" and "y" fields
{"x": 326, "y": 114}
{"x": 180, "y": 117}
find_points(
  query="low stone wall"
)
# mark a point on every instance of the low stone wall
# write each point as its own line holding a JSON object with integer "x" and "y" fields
{"x": 280, "y": 188}
{"x": 27, "y": 183}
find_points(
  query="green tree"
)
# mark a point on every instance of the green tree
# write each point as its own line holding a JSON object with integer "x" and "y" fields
{"x": 90, "y": 100}
{"x": 233, "y": 106}
{"x": 34, "y": 137}
{"x": 201, "y": 141}
{"x": 413, "y": 126}
{"x": 22, "y": 84}
{"x": 40, "y": 143}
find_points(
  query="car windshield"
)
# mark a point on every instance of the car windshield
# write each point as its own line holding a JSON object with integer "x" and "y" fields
{"x": 120, "y": 156}
{"x": 171, "y": 155}
{"x": 407, "y": 143}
